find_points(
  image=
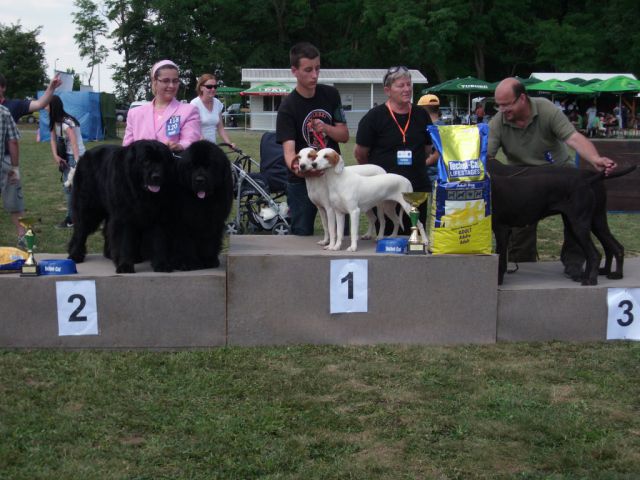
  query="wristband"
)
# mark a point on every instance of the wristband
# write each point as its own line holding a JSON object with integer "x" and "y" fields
{"x": 16, "y": 172}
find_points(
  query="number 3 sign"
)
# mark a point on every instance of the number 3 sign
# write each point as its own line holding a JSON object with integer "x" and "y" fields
{"x": 623, "y": 322}
{"x": 77, "y": 308}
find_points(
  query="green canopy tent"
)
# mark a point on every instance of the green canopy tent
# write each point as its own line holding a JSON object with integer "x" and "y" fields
{"x": 462, "y": 86}
{"x": 558, "y": 86}
{"x": 228, "y": 92}
{"x": 618, "y": 85}
{"x": 269, "y": 89}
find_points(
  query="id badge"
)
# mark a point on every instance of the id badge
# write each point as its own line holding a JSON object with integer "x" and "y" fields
{"x": 405, "y": 157}
{"x": 172, "y": 126}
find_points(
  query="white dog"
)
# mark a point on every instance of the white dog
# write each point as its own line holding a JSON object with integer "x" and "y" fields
{"x": 319, "y": 195}
{"x": 350, "y": 193}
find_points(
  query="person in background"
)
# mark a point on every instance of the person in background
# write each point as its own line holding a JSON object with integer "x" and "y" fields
{"x": 165, "y": 119}
{"x": 310, "y": 116}
{"x": 479, "y": 112}
{"x": 210, "y": 109}
{"x": 431, "y": 103}
{"x": 10, "y": 184}
{"x": 62, "y": 124}
{"x": 394, "y": 136}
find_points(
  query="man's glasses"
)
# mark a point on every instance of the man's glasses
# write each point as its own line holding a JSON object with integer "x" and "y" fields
{"x": 393, "y": 70}
{"x": 507, "y": 106}
{"x": 209, "y": 87}
{"x": 168, "y": 81}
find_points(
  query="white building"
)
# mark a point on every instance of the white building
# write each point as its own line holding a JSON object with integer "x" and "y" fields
{"x": 360, "y": 89}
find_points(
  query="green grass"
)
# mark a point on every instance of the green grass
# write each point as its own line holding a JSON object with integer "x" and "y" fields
{"x": 502, "y": 411}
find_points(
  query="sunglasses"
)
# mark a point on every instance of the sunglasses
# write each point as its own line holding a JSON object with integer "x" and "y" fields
{"x": 209, "y": 87}
{"x": 392, "y": 71}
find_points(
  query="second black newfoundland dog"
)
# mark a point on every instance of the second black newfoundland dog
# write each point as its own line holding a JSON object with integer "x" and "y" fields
{"x": 170, "y": 210}
{"x": 203, "y": 203}
{"x": 130, "y": 189}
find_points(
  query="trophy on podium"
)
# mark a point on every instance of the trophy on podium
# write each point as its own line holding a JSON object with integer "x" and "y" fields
{"x": 416, "y": 245}
{"x": 30, "y": 266}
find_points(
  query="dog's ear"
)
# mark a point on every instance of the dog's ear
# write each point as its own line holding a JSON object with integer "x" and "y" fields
{"x": 337, "y": 161}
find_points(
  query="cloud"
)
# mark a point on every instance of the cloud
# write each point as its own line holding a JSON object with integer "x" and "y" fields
{"x": 56, "y": 19}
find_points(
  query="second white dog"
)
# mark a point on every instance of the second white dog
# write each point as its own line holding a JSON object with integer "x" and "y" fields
{"x": 319, "y": 195}
{"x": 350, "y": 193}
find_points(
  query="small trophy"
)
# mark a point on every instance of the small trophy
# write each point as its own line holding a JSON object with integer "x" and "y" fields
{"x": 30, "y": 266}
{"x": 416, "y": 244}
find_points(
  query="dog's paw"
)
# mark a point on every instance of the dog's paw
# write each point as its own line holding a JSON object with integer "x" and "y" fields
{"x": 365, "y": 237}
{"x": 352, "y": 248}
{"x": 76, "y": 257}
{"x": 125, "y": 268}
{"x": 323, "y": 242}
{"x": 614, "y": 276}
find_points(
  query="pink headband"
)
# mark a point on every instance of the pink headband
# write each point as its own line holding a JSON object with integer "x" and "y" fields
{"x": 160, "y": 64}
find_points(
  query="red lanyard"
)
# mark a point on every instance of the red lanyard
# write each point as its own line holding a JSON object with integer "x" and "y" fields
{"x": 403, "y": 131}
{"x": 319, "y": 138}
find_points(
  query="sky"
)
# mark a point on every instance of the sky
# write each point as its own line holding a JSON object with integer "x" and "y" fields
{"x": 55, "y": 17}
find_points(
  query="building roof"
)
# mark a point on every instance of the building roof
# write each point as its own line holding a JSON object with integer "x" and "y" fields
{"x": 327, "y": 75}
{"x": 585, "y": 76}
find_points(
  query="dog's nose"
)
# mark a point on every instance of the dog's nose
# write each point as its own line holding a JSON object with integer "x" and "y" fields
{"x": 314, "y": 164}
{"x": 199, "y": 180}
{"x": 156, "y": 177}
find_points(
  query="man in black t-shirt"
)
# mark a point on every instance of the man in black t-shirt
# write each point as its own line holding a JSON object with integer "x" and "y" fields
{"x": 310, "y": 116}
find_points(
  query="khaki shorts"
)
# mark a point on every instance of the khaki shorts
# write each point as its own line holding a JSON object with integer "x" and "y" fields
{"x": 12, "y": 200}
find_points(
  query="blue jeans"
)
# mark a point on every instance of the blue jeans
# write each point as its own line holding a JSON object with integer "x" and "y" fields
{"x": 302, "y": 211}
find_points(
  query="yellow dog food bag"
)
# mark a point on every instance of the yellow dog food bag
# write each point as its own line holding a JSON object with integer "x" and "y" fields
{"x": 461, "y": 205}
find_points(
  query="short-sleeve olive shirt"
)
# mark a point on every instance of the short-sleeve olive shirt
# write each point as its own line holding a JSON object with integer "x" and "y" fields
{"x": 540, "y": 142}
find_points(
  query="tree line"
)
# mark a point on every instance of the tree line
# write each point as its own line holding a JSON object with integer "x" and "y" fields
{"x": 490, "y": 39}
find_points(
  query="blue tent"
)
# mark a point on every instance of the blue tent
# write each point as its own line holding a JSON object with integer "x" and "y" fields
{"x": 85, "y": 106}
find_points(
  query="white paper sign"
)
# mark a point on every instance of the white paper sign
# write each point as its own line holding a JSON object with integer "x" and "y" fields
{"x": 623, "y": 322}
{"x": 77, "y": 308}
{"x": 349, "y": 286}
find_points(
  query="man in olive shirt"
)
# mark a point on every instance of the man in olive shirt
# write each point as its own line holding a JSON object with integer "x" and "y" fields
{"x": 532, "y": 131}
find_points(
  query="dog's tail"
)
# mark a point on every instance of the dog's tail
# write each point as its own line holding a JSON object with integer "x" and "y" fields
{"x": 614, "y": 174}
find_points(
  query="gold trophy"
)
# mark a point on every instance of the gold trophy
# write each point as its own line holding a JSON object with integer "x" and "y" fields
{"x": 416, "y": 244}
{"x": 30, "y": 266}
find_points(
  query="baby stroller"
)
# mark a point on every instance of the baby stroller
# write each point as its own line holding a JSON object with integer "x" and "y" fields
{"x": 260, "y": 196}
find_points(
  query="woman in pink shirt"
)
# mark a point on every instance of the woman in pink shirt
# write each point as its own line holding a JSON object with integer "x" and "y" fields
{"x": 165, "y": 119}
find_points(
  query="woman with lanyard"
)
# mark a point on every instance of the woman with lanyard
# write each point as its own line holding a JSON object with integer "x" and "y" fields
{"x": 165, "y": 119}
{"x": 394, "y": 136}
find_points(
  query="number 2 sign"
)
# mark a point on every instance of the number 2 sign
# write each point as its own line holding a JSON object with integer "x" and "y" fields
{"x": 77, "y": 308}
{"x": 623, "y": 322}
{"x": 349, "y": 286}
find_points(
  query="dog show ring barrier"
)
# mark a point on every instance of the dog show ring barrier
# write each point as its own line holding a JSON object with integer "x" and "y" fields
{"x": 281, "y": 290}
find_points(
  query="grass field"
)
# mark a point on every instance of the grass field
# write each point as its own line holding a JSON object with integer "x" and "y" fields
{"x": 509, "y": 411}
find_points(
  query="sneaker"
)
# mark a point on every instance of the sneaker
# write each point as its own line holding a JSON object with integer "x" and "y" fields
{"x": 66, "y": 223}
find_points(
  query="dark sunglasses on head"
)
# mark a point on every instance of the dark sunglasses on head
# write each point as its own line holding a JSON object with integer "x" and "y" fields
{"x": 392, "y": 70}
{"x": 209, "y": 87}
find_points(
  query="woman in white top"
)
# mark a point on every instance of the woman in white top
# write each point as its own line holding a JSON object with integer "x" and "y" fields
{"x": 62, "y": 124}
{"x": 210, "y": 109}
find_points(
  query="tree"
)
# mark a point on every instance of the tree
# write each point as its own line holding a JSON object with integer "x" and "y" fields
{"x": 22, "y": 60}
{"x": 90, "y": 28}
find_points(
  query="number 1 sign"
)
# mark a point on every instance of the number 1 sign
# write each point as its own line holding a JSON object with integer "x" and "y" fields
{"x": 348, "y": 289}
{"x": 77, "y": 308}
{"x": 622, "y": 321}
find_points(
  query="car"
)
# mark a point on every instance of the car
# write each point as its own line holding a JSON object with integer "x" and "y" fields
{"x": 31, "y": 118}
{"x": 233, "y": 108}
{"x": 121, "y": 114}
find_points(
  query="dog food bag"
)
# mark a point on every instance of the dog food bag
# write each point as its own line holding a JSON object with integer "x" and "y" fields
{"x": 11, "y": 259}
{"x": 461, "y": 206}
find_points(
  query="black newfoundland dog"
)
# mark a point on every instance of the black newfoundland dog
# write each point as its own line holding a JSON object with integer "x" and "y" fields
{"x": 202, "y": 205}
{"x": 130, "y": 189}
